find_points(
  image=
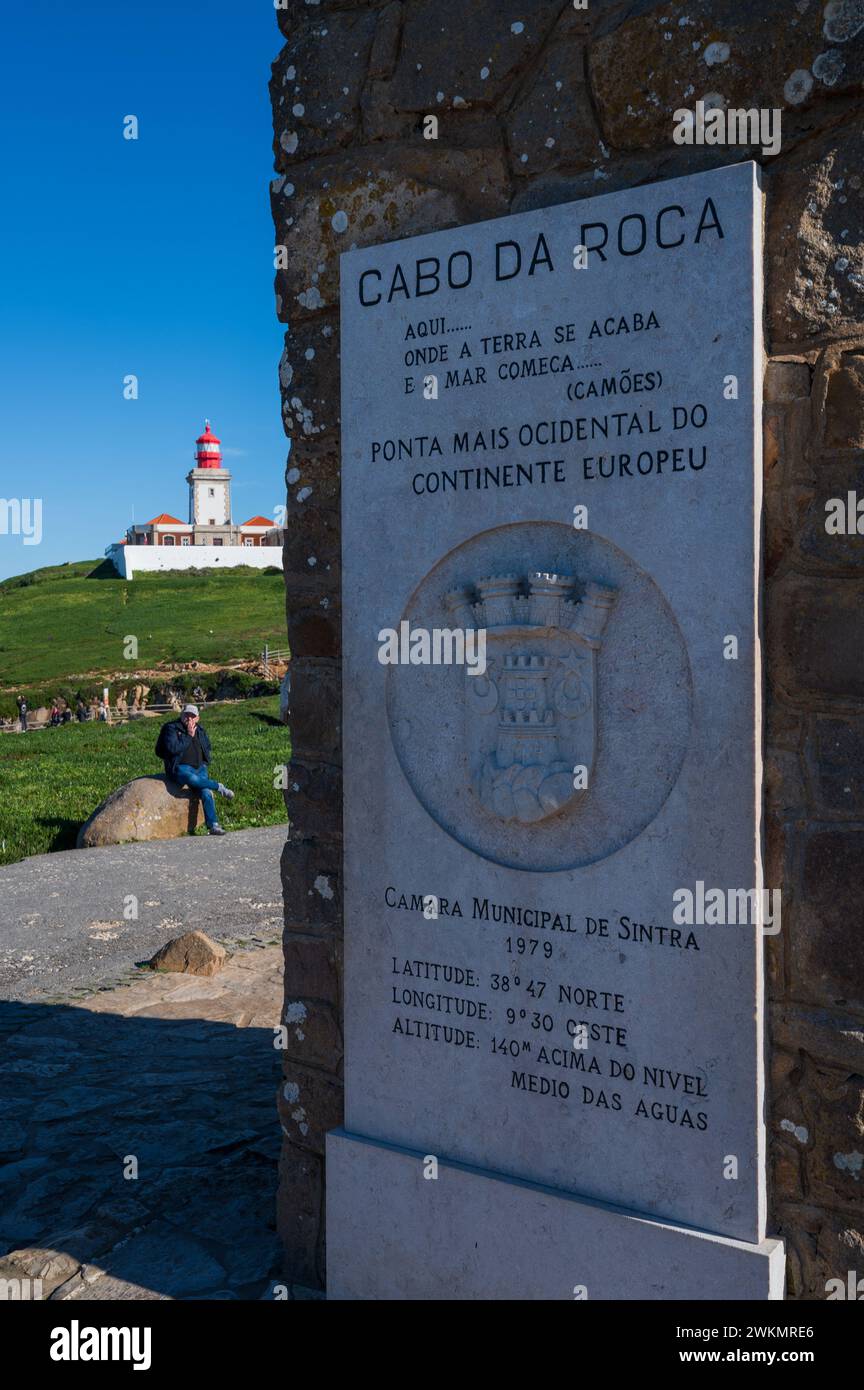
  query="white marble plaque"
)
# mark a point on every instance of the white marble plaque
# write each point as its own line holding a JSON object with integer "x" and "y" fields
{"x": 551, "y": 454}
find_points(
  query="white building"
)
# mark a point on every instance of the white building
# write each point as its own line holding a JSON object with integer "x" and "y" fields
{"x": 209, "y": 538}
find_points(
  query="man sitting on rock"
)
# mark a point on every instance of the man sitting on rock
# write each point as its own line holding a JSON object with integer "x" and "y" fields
{"x": 184, "y": 748}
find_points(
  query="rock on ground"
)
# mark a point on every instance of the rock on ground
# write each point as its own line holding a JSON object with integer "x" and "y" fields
{"x": 191, "y": 954}
{"x": 148, "y": 808}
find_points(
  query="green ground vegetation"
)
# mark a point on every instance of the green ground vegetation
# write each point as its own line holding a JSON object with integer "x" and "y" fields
{"x": 53, "y": 779}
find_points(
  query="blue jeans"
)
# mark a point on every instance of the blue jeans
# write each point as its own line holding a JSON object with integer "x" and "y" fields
{"x": 199, "y": 779}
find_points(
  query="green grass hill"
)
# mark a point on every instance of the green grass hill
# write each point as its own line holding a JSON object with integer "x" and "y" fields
{"x": 75, "y": 619}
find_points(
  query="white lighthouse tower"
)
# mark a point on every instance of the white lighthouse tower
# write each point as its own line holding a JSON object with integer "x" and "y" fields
{"x": 209, "y": 485}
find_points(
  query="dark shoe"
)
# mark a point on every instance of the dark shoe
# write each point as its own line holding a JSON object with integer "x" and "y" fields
{"x": 215, "y": 830}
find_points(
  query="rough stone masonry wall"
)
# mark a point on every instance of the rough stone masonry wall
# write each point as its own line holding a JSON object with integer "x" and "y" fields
{"x": 541, "y": 103}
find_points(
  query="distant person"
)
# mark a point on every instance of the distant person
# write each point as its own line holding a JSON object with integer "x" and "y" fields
{"x": 81, "y": 712}
{"x": 104, "y": 714}
{"x": 22, "y": 713}
{"x": 54, "y": 718}
{"x": 185, "y": 750}
{"x": 66, "y": 717}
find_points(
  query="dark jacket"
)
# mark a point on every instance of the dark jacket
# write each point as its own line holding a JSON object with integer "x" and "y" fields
{"x": 173, "y": 744}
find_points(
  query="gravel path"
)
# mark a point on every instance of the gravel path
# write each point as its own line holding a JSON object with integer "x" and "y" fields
{"x": 65, "y": 919}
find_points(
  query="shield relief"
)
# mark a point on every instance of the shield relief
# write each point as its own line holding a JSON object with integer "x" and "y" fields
{"x": 530, "y": 719}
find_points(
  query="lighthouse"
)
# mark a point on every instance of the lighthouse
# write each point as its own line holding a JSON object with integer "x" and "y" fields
{"x": 209, "y": 483}
{"x": 209, "y": 538}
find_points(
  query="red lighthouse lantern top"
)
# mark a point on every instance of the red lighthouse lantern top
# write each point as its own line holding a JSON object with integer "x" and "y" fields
{"x": 207, "y": 453}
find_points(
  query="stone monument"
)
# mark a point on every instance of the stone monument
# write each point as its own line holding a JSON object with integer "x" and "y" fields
{"x": 554, "y": 900}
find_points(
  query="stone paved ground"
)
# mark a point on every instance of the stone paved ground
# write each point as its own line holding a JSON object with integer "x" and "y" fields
{"x": 176, "y": 1072}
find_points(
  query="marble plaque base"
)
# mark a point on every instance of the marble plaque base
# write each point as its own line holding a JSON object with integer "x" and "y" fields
{"x": 394, "y": 1234}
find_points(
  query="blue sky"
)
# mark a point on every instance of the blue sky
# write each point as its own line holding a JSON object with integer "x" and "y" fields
{"x": 152, "y": 257}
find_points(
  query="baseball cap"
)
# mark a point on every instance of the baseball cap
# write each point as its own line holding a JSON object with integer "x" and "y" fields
{"x": 189, "y": 709}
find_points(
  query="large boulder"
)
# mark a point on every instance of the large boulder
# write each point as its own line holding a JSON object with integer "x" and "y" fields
{"x": 150, "y": 808}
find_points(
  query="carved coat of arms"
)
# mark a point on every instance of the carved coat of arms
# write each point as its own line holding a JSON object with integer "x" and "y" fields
{"x": 530, "y": 722}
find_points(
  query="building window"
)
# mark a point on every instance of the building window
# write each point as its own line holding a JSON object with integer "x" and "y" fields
{"x": 212, "y": 521}
{"x": 217, "y": 540}
{"x": 184, "y": 540}
{"x": 211, "y": 492}
{"x": 168, "y": 540}
{"x": 248, "y": 540}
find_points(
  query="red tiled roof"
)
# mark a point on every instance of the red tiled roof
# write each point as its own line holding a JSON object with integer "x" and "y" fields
{"x": 260, "y": 521}
{"x": 164, "y": 518}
